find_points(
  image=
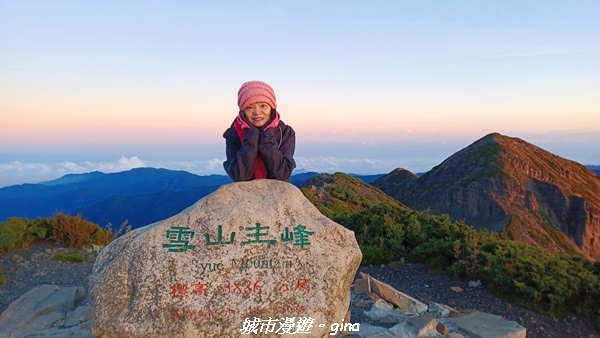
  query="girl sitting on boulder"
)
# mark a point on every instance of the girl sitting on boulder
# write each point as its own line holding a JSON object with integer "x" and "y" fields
{"x": 258, "y": 144}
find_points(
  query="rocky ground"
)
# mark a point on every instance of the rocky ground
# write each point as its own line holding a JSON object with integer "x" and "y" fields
{"x": 27, "y": 268}
{"x": 33, "y": 266}
{"x": 414, "y": 280}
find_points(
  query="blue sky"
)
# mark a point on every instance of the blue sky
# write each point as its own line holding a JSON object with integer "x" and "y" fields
{"x": 368, "y": 86}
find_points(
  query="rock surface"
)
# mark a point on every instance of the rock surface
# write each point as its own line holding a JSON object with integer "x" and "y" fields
{"x": 47, "y": 311}
{"x": 433, "y": 320}
{"x": 484, "y": 325}
{"x": 38, "y": 268}
{"x": 251, "y": 250}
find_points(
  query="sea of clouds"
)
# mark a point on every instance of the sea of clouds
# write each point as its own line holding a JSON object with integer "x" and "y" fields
{"x": 20, "y": 172}
{"x": 363, "y": 159}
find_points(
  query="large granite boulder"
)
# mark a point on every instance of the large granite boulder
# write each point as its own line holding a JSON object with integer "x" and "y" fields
{"x": 253, "y": 258}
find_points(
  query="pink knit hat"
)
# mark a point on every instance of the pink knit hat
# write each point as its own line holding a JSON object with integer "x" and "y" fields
{"x": 256, "y": 91}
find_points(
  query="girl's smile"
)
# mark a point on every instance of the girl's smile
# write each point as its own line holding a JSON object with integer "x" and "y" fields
{"x": 258, "y": 113}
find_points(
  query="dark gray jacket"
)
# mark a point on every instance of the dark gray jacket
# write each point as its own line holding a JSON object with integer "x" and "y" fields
{"x": 275, "y": 146}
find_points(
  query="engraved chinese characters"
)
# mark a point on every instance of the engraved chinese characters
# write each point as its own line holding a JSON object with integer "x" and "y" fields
{"x": 250, "y": 249}
{"x": 179, "y": 237}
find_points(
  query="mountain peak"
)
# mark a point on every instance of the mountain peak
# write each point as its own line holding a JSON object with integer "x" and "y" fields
{"x": 508, "y": 185}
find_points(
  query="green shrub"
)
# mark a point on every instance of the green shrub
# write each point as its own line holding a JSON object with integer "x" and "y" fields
{"x": 17, "y": 232}
{"x": 373, "y": 255}
{"x": 381, "y": 239}
{"x": 41, "y": 227}
{"x": 532, "y": 277}
{"x": 441, "y": 260}
{"x": 69, "y": 230}
{"x": 71, "y": 258}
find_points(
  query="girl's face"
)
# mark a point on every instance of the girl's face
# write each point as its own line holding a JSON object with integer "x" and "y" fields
{"x": 258, "y": 113}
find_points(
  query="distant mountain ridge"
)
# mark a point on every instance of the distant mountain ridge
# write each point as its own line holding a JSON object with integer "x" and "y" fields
{"x": 500, "y": 183}
{"x": 77, "y": 192}
{"x": 508, "y": 185}
{"x": 139, "y": 196}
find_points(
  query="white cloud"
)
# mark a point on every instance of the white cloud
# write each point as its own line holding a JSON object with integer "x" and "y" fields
{"x": 329, "y": 164}
{"x": 215, "y": 164}
{"x": 71, "y": 167}
{"x": 200, "y": 167}
{"x": 363, "y": 159}
{"x": 17, "y": 172}
{"x": 122, "y": 164}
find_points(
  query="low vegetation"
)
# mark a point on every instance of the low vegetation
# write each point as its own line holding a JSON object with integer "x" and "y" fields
{"x": 2, "y": 276}
{"x": 343, "y": 194}
{"x": 531, "y": 277}
{"x": 76, "y": 257}
{"x": 70, "y": 231}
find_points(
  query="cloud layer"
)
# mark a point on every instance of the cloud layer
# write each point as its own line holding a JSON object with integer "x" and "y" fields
{"x": 17, "y": 172}
{"x": 417, "y": 157}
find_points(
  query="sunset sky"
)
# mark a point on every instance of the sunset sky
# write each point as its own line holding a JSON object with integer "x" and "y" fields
{"x": 367, "y": 85}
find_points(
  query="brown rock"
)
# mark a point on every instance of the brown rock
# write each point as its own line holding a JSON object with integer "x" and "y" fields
{"x": 442, "y": 329}
{"x": 373, "y": 296}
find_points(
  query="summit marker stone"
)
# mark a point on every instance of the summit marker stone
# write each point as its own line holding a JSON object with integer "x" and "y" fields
{"x": 251, "y": 259}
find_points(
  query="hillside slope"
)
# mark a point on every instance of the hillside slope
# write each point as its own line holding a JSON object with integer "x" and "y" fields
{"x": 343, "y": 194}
{"x": 508, "y": 185}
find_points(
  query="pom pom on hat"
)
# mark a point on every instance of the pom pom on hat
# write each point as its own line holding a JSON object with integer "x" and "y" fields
{"x": 256, "y": 91}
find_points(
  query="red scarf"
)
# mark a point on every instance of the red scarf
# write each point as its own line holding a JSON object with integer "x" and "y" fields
{"x": 260, "y": 171}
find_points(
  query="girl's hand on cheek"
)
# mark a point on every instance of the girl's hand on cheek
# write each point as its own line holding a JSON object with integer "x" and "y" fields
{"x": 251, "y": 133}
{"x": 268, "y": 136}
